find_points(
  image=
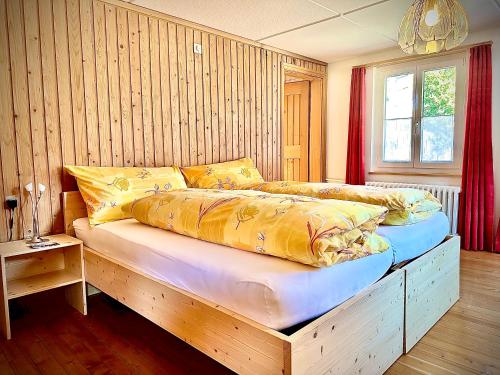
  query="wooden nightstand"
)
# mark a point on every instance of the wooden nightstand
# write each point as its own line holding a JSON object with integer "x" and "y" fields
{"x": 24, "y": 271}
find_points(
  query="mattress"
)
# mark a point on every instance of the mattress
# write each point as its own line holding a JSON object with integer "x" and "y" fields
{"x": 274, "y": 292}
{"x": 410, "y": 241}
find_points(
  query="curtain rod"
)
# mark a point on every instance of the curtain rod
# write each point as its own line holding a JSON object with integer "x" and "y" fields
{"x": 419, "y": 57}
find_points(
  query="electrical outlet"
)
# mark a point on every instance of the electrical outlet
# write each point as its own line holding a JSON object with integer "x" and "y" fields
{"x": 11, "y": 202}
{"x": 197, "y": 48}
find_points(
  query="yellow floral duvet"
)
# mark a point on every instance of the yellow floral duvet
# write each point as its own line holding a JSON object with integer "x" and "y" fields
{"x": 301, "y": 229}
{"x": 406, "y": 206}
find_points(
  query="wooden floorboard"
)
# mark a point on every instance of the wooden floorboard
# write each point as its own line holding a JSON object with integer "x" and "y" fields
{"x": 50, "y": 337}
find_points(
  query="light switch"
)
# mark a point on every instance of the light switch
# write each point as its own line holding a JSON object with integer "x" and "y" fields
{"x": 197, "y": 48}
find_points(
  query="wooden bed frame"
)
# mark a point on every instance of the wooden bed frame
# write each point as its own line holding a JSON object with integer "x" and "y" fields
{"x": 365, "y": 334}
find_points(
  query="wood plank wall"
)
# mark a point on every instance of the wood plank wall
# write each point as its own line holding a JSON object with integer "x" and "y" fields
{"x": 106, "y": 83}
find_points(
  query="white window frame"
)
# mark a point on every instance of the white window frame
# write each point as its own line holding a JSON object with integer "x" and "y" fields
{"x": 417, "y": 67}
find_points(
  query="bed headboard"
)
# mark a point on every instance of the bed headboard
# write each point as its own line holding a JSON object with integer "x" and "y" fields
{"x": 73, "y": 208}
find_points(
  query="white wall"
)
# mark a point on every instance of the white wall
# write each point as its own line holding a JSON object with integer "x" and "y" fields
{"x": 339, "y": 79}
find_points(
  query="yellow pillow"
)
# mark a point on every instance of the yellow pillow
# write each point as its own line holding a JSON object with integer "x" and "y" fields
{"x": 106, "y": 189}
{"x": 229, "y": 175}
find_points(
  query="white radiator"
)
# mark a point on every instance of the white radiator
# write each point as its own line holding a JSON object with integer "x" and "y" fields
{"x": 447, "y": 195}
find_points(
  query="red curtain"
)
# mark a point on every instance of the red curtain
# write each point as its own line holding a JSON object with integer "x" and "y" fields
{"x": 475, "y": 221}
{"x": 355, "y": 166}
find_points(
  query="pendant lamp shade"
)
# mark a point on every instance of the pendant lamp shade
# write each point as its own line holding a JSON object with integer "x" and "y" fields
{"x": 431, "y": 26}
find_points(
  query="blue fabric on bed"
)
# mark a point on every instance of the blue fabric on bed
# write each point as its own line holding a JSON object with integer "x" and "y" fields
{"x": 410, "y": 241}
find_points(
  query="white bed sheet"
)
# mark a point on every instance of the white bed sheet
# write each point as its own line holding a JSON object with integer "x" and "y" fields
{"x": 274, "y": 292}
{"x": 410, "y": 241}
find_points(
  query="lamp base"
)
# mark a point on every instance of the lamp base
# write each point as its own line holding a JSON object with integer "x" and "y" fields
{"x": 37, "y": 240}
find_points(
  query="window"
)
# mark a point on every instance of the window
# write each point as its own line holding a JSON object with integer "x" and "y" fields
{"x": 419, "y": 115}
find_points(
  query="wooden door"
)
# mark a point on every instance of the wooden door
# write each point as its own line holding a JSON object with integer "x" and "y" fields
{"x": 296, "y": 131}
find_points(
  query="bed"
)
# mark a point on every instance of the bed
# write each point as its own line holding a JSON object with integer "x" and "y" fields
{"x": 275, "y": 292}
{"x": 410, "y": 241}
{"x": 366, "y": 332}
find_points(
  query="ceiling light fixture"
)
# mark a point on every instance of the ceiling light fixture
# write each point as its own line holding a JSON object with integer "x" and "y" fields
{"x": 431, "y": 26}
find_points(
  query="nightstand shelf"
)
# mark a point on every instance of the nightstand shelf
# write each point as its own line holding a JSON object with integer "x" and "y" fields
{"x": 39, "y": 283}
{"x": 25, "y": 271}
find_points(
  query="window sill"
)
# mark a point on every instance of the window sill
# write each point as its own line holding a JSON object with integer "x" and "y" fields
{"x": 427, "y": 173}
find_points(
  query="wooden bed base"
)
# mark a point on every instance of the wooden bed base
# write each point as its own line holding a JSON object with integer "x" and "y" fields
{"x": 365, "y": 334}
{"x": 432, "y": 288}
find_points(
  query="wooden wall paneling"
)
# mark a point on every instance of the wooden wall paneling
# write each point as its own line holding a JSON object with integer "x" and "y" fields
{"x": 191, "y": 98}
{"x": 165, "y": 92}
{"x": 37, "y": 113}
{"x": 183, "y": 94}
{"x": 199, "y": 99}
{"x": 136, "y": 88}
{"x": 51, "y": 111}
{"x": 156, "y": 103}
{"x": 253, "y": 104}
{"x": 62, "y": 68}
{"x": 223, "y": 146}
{"x": 89, "y": 81}
{"x": 76, "y": 74}
{"x": 180, "y": 21}
{"x": 258, "y": 109}
{"x": 20, "y": 104}
{"x": 100, "y": 82}
{"x": 227, "y": 100}
{"x": 234, "y": 99}
{"x": 147, "y": 119}
{"x": 214, "y": 97}
{"x": 264, "y": 131}
{"x": 270, "y": 116}
{"x": 279, "y": 103}
{"x": 8, "y": 151}
{"x": 275, "y": 123}
{"x": 207, "y": 105}
{"x": 126, "y": 110}
{"x": 114, "y": 85}
{"x": 105, "y": 142}
{"x": 174, "y": 94}
{"x": 246, "y": 99}
{"x": 4, "y": 235}
{"x": 241, "y": 101}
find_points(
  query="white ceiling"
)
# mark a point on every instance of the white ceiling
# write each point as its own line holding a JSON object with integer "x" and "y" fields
{"x": 328, "y": 30}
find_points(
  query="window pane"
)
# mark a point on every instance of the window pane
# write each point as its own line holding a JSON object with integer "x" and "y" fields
{"x": 399, "y": 96}
{"x": 397, "y": 140}
{"x": 438, "y": 118}
{"x": 439, "y": 92}
{"x": 437, "y": 139}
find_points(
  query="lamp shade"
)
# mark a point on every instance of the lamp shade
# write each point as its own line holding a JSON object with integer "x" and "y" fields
{"x": 431, "y": 26}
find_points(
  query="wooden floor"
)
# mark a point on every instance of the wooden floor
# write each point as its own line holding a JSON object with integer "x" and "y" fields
{"x": 51, "y": 338}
